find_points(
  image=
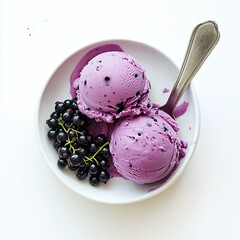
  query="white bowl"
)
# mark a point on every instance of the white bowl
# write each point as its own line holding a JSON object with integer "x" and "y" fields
{"x": 162, "y": 73}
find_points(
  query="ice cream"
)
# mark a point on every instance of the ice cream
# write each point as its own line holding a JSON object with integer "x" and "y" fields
{"x": 146, "y": 148}
{"x": 112, "y": 89}
{"x": 93, "y": 52}
{"x": 112, "y": 85}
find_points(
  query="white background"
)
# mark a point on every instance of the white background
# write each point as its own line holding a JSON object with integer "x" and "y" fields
{"x": 36, "y": 36}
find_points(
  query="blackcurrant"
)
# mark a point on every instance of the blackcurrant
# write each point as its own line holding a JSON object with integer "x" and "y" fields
{"x": 83, "y": 152}
{"x": 62, "y": 137}
{"x": 72, "y": 136}
{"x": 76, "y": 120}
{"x": 100, "y": 139}
{"x": 60, "y": 107}
{"x": 104, "y": 164}
{"x": 93, "y": 170}
{"x": 106, "y": 152}
{"x": 63, "y": 152}
{"x": 66, "y": 116}
{"x": 75, "y": 159}
{"x": 52, "y": 122}
{"x": 83, "y": 141}
{"x": 54, "y": 115}
{"x": 93, "y": 148}
{"x": 94, "y": 180}
{"x": 81, "y": 174}
{"x": 74, "y": 106}
{"x": 62, "y": 163}
{"x": 77, "y": 149}
{"x": 57, "y": 144}
{"x": 52, "y": 134}
{"x": 75, "y": 144}
{"x": 68, "y": 103}
{"x": 104, "y": 176}
{"x": 72, "y": 168}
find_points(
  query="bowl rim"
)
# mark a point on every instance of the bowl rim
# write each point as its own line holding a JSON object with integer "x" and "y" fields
{"x": 151, "y": 194}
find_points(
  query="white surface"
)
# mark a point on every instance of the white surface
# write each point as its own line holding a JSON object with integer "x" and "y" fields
{"x": 35, "y": 37}
{"x": 162, "y": 72}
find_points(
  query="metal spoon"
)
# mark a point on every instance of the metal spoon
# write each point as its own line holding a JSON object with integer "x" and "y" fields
{"x": 204, "y": 38}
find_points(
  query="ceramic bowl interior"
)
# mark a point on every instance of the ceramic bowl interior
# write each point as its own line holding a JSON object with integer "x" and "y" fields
{"x": 162, "y": 73}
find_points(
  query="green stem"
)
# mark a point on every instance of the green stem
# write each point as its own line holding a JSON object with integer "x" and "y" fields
{"x": 100, "y": 149}
{"x": 72, "y": 149}
{"x": 76, "y": 131}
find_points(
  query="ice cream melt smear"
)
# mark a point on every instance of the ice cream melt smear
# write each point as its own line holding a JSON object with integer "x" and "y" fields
{"x": 111, "y": 89}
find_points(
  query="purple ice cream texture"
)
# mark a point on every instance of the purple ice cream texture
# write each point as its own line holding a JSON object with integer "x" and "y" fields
{"x": 146, "y": 148}
{"x": 112, "y": 85}
{"x": 108, "y": 118}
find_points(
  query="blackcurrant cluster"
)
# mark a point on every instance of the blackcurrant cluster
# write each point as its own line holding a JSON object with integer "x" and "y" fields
{"x": 77, "y": 149}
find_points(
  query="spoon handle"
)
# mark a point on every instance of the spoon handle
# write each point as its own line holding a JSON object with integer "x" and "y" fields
{"x": 203, "y": 39}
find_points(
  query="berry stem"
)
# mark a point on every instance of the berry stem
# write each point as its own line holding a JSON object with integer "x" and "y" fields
{"x": 76, "y": 131}
{"x": 60, "y": 122}
{"x": 100, "y": 149}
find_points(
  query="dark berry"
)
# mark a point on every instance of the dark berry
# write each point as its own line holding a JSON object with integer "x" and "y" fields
{"x": 75, "y": 159}
{"x": 94, "y": 180}
{"x": 93, "y": 148}
{"x": 83, "y": 152}
{"x": 62, "y": 163}
{"x": 72, "y": 168}
{"x": 82, "y": 165}
{"x": 57, "y": 144}
{"x": 75, "y": 145}
{"x": 76, "y": 120}
{"x": 104, "y": 164}
{"x": 66, "y": 116}
{"x": 62, "y": 137}
{"x": 81, "y": 174}
{"x": 83, "y": 141}
{"x": 77, "y": 149}
{"x": 52, "y": 122}
{"x": 100, "y": 139}
{"x": 63, "y": 152}
{"x": 74, "y": 106}
{"x": 72, "y": 135}
{"x": 60, "y": 107}
{"x": 93, "y": 170}
{"x": 68, "y": 103}
{"x": 52, "y": 134}
{"x": 54, "y": 115}
{"x": 106, "y": 152}
{"x": 104, "y": 176}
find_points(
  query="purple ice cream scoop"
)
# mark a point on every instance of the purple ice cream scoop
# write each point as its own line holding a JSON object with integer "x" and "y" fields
{"x": 112, "y": 85}
{"x": 146, "y": 148}
{"x": 84, "y": 61}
